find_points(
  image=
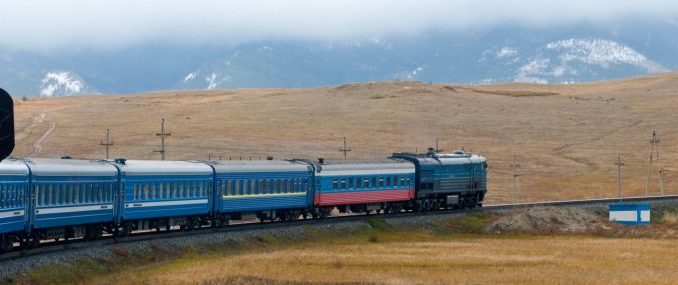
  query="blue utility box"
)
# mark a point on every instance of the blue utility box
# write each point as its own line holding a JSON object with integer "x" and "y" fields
{"x": 630, "y": 213}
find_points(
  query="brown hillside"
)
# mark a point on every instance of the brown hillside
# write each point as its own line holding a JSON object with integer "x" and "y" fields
{"x": 565, "y": 137}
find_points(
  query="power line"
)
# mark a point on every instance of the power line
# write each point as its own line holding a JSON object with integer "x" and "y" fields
{"x": 162, "y": 134}
{"x": 108, "y": 143}
{"x": 345, "y": 149}
{"x": 619, "y": 165}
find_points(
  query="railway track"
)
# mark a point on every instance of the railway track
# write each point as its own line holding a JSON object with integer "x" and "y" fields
{"x": 53, "y": 247}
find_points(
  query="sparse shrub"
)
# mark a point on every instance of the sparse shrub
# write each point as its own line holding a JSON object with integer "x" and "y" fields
{"x": 373, "y": 238}
{"x": 338, "y": 264}
{"x": 120, "y": 251}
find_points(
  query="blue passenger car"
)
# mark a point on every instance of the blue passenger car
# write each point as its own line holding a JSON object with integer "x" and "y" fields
{"x": 164, "y": 193}
{"x": 268, "y": 188}
{"x": 71, "y": 197}
{"x": 14, "y": 177}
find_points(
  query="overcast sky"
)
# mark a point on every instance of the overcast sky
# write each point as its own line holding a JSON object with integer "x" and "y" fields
{"x": 50, "y": 24}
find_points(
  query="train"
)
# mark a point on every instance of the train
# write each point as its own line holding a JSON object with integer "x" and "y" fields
{"x": 60, "y": 199}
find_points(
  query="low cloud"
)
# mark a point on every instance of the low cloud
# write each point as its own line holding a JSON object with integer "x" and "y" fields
{"x": 65, "y": 24}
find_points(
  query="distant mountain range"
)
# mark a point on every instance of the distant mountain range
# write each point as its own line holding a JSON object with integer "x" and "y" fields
{"x": 564, "y": 55}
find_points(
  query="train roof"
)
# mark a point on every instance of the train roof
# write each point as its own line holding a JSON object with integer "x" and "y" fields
{"x": 371, "y": 166}
{"x": 453, "y": 158}
{"x": 224, "y": 166}
{"x": 162, "y": 167}
{"x": 70, "y": 167}
{"x": 11, "y": 166}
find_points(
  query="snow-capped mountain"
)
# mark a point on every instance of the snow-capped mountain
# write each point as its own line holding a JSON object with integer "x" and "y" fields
{"x": 568, "y": 61}
{"x": 577, "y": 53}
{"x": 62, "y": 83}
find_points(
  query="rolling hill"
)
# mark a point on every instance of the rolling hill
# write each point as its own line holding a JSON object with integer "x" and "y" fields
{"x": 565, "y": 138}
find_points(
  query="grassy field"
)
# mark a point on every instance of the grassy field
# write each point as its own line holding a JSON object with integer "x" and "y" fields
{"x": 564, "y": 137}
{"x": 450, "y": 251}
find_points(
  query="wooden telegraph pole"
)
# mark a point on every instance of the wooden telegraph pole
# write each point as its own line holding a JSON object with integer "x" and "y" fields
{"x": 108, "y": 143}
{"x": 654, "y": 155}
{"x": 619, "y": 165}
{"x": 514, "y": 175}
{"x": 345, "y": 149}
{"x": 162, "y": 134}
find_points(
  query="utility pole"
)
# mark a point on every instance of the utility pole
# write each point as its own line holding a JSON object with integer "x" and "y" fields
{"x": 654, "y": 155}
{"x": 108, "y": 143}
{"x": 162, "y": 134}
{"x": 345, "y": 149}
{"x": 514, "y": 167}
{"x": 619, "y": 165}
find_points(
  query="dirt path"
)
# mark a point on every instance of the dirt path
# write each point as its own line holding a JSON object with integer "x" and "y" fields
{"x": 37, "y": 145}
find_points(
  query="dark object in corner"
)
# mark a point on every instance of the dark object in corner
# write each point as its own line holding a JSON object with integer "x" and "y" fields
{"x": 6, "y": 124}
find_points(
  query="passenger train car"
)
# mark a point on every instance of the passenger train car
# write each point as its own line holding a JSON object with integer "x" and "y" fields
{"x": 52, "y": 199}
{"x": 362, "y": 186}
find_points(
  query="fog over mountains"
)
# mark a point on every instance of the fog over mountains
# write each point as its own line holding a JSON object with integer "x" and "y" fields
{"x": 518, "y": 53}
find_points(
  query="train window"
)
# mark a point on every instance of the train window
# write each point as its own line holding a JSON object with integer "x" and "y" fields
{"x": 76, "y": 193}
{"x": 81, "y": 193}
{"x": 335, "y": 184}
{"x": 343, "y": 183}
{"x": 388, "y": 181}
{"x": 4, "y": 199}
{"x": 69, "y": 193}
{"x": 350, "y": 182}
{"x": 60, "y": 194}
{"x": 10, "y": 198}
{"x": 96, "y": 192}
{"x": 367, "y": 182}
{"x": 41, "y": 194}
{"x": 374, "y": 182}
{"x": 381, "y": 181}
{"x": 358, "y": 182}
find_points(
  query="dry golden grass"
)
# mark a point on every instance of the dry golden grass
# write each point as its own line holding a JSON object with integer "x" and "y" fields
{"x": 471, "y": 259}
{"x": 565, "y": 137}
